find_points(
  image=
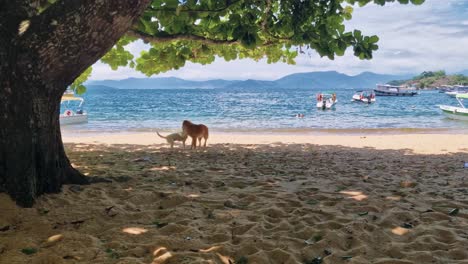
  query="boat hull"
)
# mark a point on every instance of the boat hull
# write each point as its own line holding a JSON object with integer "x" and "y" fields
{"x": 74, "y": 119}
{"x": 357, "y": 98}
{"x": 451, "y": 94}
{"x": 328, "y": 105}
{"x": 394, "y": 93}
{"x": 454, "y": 94}
{"x": 454, "y": 112}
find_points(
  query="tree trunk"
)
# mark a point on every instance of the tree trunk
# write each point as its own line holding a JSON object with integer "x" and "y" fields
{"x": 40, "y": 56}
{"x": 32, "y": 156}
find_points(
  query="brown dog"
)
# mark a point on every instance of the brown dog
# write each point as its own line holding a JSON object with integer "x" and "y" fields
{"x": 195, "y": 132}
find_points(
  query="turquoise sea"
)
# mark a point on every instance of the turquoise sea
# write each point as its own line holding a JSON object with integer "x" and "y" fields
{"x": 120, "y": 110}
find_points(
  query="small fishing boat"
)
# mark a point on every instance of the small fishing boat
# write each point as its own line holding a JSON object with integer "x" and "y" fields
{"x": 69, "y": 117}
{"x": 326, "y": 101}
{"x": 390, "y": 90}
{"x": 454, "y": 112}
{"x": 445, "y": 88}
{"x": 454, "y": 93}
{"x": 367, "y": 97}
{"x": 458, "y": 89}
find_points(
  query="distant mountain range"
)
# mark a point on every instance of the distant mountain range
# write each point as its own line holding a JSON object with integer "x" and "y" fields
{"x": 310, "y": 80}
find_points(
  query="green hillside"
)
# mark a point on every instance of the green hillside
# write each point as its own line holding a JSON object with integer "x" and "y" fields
{"x": 430, "y": 80}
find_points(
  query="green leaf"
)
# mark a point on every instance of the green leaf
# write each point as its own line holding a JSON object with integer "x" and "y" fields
{"x": 81, "y": 89}
{"x": 118, "y": 56}
{"x": 77, "y": 85}
{"x": 348, "y": 12}
{"x": 454, "y": 211}
{"x": 373, "y": 39}
{"x": 29, "y": 251}
{"x": 171, "y": 3}
{"x": 357, "y": 34}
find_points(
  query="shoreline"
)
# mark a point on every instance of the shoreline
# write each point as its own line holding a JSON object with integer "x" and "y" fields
{"x": 412, "y": 143}
{"x": 68, "y": 131}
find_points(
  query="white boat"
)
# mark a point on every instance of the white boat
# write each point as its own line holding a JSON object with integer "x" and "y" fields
{"x": 326, "y": 101}
{"x": 445, "y": 88}
{"x": 452, "y": 91}
{"x": 364, "y": 96}
{"x": 69, "y": 116}
{"x": 454, "y": 112}
{"x": 455, "y": 93}
{"x": 391, "y": 90}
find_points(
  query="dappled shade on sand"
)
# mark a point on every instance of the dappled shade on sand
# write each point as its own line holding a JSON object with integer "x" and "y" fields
{"x": 134, "y": 230}
{"x": 400, "y": 231}
{"x": 161, "y": 255}
{"x": 278, "y": 203}
{"x": 358, "y": 196}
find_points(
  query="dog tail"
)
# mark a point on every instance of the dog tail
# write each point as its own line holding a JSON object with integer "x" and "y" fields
{"x": 160, "y": 135}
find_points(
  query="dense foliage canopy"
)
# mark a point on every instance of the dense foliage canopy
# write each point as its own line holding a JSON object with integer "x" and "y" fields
{"x": 201, "y": 30}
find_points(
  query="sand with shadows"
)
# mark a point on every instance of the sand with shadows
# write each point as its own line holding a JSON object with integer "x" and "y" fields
{"x": 247, "y": 203}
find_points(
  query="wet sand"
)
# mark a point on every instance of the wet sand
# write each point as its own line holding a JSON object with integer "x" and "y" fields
{"x": 263, "y": 199}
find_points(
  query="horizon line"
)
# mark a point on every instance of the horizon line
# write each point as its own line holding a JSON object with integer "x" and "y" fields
{"x": 228, "y": 79}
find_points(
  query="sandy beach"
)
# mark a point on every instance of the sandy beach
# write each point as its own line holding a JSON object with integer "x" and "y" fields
{"x": 251, "y": 198}
{"x": 412, "y": 143}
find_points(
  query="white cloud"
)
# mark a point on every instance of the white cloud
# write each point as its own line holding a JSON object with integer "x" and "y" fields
{"x": 413, "y": 39}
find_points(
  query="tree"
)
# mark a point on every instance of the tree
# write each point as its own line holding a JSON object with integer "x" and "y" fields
{"x": 46, "y": 44}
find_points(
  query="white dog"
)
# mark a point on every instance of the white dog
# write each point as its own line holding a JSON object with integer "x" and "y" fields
{"x": 181, "y": 136}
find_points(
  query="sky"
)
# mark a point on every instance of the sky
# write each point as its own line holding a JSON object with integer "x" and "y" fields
{"x": 413, "y": 39}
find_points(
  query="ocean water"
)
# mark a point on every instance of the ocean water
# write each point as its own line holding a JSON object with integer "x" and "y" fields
{"x": 253, "y": 109}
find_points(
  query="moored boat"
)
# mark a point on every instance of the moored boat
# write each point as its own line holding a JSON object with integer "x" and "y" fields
{"x": 69, "y": 116}
{"x": 390, "y": 90}
{"x": 454, "y": 112}
{"x": 326, "y": 101}
{"x": 458, "y": 89}
{"x": 367, "y": 97}
{"x": 454, "y": 93}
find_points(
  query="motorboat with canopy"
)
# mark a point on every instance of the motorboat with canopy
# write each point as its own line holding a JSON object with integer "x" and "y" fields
{"x": 69, "y": 116}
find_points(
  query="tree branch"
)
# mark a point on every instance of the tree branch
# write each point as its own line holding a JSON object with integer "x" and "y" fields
{"x": 168, "y": 38}
{"x": 71, "y": 35}
{"x": 228, "y": 4}
{"x": 267, "y": 10}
